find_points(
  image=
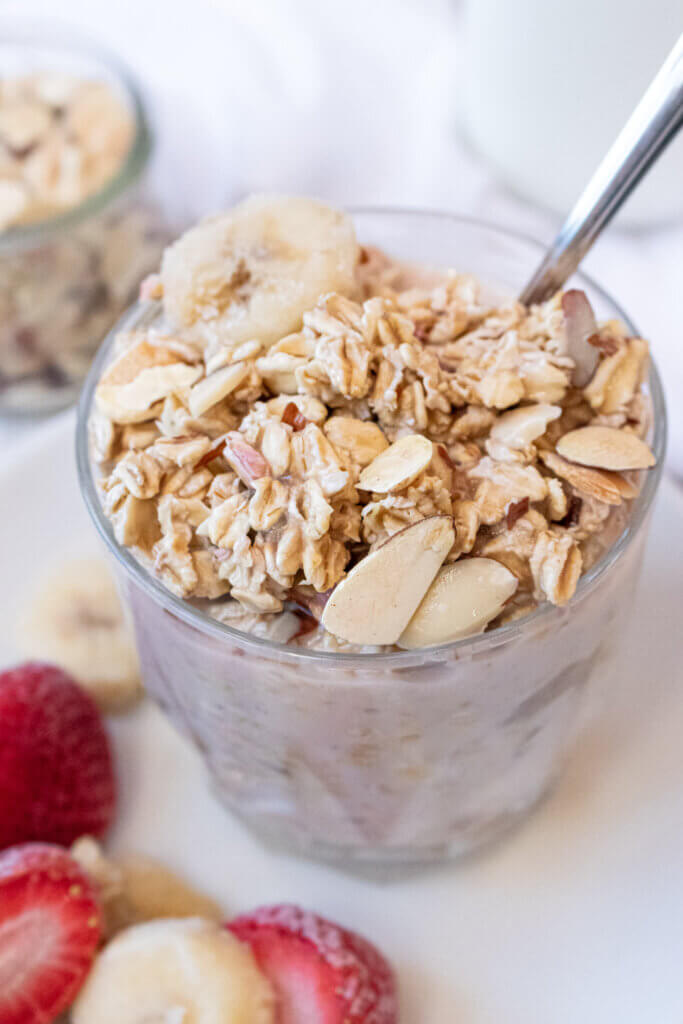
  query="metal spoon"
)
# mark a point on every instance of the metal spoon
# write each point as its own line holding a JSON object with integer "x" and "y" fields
{"x": 651, "y": 126}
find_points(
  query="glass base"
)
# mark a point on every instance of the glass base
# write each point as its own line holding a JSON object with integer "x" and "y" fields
{"x": 385, "y": 864}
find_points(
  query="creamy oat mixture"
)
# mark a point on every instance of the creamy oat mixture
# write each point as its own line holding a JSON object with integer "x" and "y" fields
{"x": 309, "y": 431}
{"x": 61, "y": 139}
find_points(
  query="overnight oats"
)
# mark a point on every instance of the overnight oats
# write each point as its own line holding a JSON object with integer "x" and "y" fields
{"x": 77, "y": 231}
{"x": 376, "y": 521}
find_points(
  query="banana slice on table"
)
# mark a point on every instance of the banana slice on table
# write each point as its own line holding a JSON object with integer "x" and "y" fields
{"x": 134, "y": 888}
{"x": 76, "y": 620}
{"x": 252, "y": 272}
{"x": 188, "y": 971}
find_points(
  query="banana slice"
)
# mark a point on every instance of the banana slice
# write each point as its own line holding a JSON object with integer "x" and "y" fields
{"x": 135, "y": 888}
{"x": 187, "y": 971}
{"x": 76, "y": 621}
{"x": 252, "y": 272}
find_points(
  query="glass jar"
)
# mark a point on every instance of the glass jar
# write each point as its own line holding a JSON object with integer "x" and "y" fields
{"x": 66, "y": 279}
{"x": 381, "y": 762}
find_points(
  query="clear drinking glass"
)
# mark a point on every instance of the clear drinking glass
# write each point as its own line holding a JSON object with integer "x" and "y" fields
{"x": 65, "y": 280}
{"x": 384, "y": 762}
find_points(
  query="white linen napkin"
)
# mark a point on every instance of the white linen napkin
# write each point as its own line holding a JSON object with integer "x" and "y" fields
{"x": 355, "y": 102}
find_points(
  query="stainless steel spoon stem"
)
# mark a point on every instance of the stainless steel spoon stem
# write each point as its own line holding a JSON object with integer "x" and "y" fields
{"x": 652, "y": 125}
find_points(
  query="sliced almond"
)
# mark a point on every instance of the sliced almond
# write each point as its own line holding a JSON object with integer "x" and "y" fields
{"x": 605, "y": 448}
{"x": 397, "y": 466}
{"x": 134, "y": 359}
{"x": 601, "y": 484}
{"x": 375, "y": 602}
{"x": 520, "y": 427}
{"x": 212, "y": 389}
{"x": 121, "y": 402}
{"x": 464, "y": 597}
{"x": 580, "y": 324}
{"x": 362, "y": 440}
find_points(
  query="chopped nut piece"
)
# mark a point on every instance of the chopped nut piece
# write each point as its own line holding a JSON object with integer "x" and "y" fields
{"x": 246, "y": 461}
{"x": 516, "y": 511}
{"x": 292, "y": 417}
{"x": 213, "y": 389}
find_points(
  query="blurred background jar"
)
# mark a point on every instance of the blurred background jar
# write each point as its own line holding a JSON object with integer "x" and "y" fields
{"x": 547, "y": 85}
{"x": 79, "y": 228}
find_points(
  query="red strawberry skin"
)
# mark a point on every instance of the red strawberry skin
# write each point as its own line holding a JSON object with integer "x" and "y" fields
{"x": 56, "y": 773}
{"x": 50, "y": 927}
{"x": 321, "y": 973}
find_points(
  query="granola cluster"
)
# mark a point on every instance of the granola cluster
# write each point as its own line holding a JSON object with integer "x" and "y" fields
{"x": 235, "y": 470}
{"x": 61, "y": 139}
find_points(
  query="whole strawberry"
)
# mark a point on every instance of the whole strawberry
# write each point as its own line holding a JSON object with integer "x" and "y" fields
{"x": 56, "y": 773}
{"x": 321, "y": 973}
{"x": 50, "y": 927}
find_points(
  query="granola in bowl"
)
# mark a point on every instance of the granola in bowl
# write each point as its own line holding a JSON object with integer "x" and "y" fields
{"x": 77, "y": 234}
{"x": 298, "y": 419}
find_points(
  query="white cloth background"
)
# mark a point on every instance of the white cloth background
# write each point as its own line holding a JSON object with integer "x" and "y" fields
{"x": 355, "y": 101}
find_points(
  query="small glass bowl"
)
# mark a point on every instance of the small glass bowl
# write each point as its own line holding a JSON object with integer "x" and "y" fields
{"x": 66, "y": 279}
{"x": 380, "y": 763}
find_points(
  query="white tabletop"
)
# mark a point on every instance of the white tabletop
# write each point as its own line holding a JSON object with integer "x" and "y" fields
{"x": 574, "y": 918}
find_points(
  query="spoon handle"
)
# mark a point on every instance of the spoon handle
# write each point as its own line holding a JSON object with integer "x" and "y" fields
{"x": 651, "y": 126}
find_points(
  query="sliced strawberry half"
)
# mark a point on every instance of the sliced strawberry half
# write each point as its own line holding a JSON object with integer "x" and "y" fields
{"x": 50, "y": 926}
{"x": 321, "y": 973}
{"x": 56, "y": 773}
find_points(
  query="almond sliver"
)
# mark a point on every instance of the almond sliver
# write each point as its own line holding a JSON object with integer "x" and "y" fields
{"x": 605, "y": 448}
{"x": 520, "y": 427}
{"x": 580, "y": 325}
{"x": 134, "y": 360}
{"x": 464, "y": 597}
{"x": 119, "y": 402}
{"x": 603, "y": 484}
{"x": 397, "y": 466}
{"x": 375, "y": 602}
{"x": 212, "y": 389}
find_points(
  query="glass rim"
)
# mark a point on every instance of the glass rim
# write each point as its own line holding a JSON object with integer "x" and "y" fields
{"x": 58, "y": 38}
{"x": 544, "y": 613}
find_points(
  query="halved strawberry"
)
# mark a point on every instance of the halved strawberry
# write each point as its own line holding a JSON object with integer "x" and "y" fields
{"x": 321, "y": 973}
{"x": 56, "y": 773}
{"x": 50, "y": 926}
